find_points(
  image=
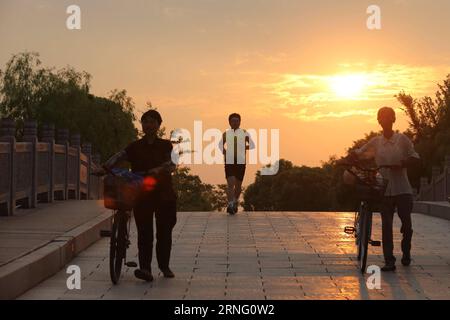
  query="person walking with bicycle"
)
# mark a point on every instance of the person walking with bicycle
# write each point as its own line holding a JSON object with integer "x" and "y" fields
{"x": 152, "y": 155}
{"x": 395, "y": 150}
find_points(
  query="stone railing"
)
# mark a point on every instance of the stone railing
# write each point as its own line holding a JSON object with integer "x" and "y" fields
{"x": 43, "y": 170}
{"x": 438, "y": 188}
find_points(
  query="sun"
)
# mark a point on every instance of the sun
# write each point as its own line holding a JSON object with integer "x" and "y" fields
{"x": 349, "y": 86}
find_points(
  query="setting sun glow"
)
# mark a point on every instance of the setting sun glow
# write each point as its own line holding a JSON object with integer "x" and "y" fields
{"x": 348, "y": 86}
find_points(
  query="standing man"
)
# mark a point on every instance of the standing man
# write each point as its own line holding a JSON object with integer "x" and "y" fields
{"x": 237, "y": 141}
{"x": 393, "y": 149}
{"x": 152, "y": 155}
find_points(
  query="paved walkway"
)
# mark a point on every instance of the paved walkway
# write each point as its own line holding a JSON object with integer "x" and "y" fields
{"x": 267, "y": 255}
{"x": 31, "y": 229}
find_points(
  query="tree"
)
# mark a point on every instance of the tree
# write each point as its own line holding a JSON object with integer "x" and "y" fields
{"x": 30, "y": 91}
{"x": 292, "y": 188}
{"x": 193, "y": 195}
{"x": 429, "y": 124}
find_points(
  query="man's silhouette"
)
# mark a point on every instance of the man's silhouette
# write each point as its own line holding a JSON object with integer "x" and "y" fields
{"x": 153, "y": 156}
{"x": 393, "y": 149}
{"x": 237, "y": 141}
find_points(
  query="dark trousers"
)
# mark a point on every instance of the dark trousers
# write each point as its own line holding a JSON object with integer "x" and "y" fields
{"x": 166, "y": 217}
{"x": 404, "y": 204}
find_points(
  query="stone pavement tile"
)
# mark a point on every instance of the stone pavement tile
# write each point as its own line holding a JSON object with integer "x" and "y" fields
{"x": 50, "y": 289}
{"x": 315, "y": 283}
{"x": 125, "y": 291}
{"x": 236, "y": 277}
{"x": 241, "y": 256}
{"x": 201, "y": 283}
{"x": 203, "y": 272}
{"x": 276, "y": 264}
{"x": 294, "y": 287}
{"x": 310, "y": 270}
{"x": 338, "y": 262}
{"x": 279, "y": 255}
{"x": 88, "y": 291}
{"x": 275, "y": 279}
{"x": 306, "y": 264}
{"x": 277, "y": 272}
{"x": 326, "y": 297}
{"x": 242, "y": 259}
{"x": 244, "y": 294}
{"x": 163, "y": 283}
{"x": 206, "y": 292}
{"x": 253, "y": 285}
{"x": 52, "y": 284}
{"x": 320, "y": 289}
{"x": 104, "y": 275}
{"x": 243, "y": 272}
{"x": 342, "y": 269}
{"x": 285, "y": 287}
{"x": 154, "y": 295}
{"x": 241, "y": 263}
{"x": 204, "y": 296}
{"x": 42, "y": 295}
{"x": 288, "y": 296}
{"x": 437, "y": 295}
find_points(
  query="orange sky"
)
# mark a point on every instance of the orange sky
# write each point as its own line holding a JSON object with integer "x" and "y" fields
{"x": 309, "y": 68}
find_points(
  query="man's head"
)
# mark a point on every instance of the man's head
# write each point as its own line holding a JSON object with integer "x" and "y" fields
{"x": 151, "y": 121}
{"x": 386, "y": 117}
{"x": 234, "y": 120}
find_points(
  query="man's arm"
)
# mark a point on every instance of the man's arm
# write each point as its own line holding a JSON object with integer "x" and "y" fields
{"x": 168, "y": 166}
{"x": 115, "y": 159}
{"x": 222, "y": 143}
{"x": 367, "y": 151}
{"x": 250, "y": 144}
{"x": 412, "y": 157}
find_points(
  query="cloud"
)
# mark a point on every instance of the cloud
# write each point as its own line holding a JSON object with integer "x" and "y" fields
{"x": 311, "y": 97}
{"x": 303, "y": 114}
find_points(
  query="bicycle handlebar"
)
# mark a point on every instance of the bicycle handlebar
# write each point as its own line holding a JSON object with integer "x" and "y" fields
{"x": 141, "y": 173}
{"x": 359, "y": 167}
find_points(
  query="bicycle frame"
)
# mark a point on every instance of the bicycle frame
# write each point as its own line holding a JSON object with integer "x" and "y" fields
{"x": 362, "y": 225}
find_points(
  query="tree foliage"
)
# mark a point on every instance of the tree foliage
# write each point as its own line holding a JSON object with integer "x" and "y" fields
{"x": 30, "y": 91}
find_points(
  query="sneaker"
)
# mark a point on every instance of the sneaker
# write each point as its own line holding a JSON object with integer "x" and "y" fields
{"x": 167, "y": 273}
{"x": 388, "y": 267}
{"x": 230, "y": 208}
{"x": 406, "y": 260}
{"x": 235, "y": 207}
{"x": 142, "y": 274}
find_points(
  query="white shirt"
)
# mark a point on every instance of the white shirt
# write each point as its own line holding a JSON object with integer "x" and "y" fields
{"x": 391, "y": 152}
{"x": 236, "y": 141}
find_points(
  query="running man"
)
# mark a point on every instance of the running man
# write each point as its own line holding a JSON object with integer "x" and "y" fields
{"x": 237, "y": 141}
{"x": 394, "y": 149}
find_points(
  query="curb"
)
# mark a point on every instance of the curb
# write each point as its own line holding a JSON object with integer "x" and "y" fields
{"x": 432, "y": 209}
{"x": 26, "y": 272}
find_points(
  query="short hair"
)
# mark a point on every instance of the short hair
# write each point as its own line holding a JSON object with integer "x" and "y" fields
{"x": 385, "y": 111}
{"x": 234, "y": 115}
{"x": 153, "y": 114}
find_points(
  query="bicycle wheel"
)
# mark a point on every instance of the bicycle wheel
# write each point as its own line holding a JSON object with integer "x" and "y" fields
{"x": 366, "y": 227}
{"x": 357, "y": 226}
{"x": 117, "y": 246}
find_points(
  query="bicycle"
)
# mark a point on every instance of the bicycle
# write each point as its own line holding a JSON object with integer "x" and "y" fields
{"x": 121, "y": 189}
{"x": 370, "y": 187}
